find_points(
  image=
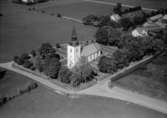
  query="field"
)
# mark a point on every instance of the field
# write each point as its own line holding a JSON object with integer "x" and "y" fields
{"x": 150, "y": 80}
{"x": 79, "y": 10}
{"x": 12, "y": 83}
{"x": 22, "y": 30}
{"x": 42, "y": 103}
{"x": 156, "y": 4}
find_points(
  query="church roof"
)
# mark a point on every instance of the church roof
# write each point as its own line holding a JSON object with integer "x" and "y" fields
{"x": 90, "y": 49}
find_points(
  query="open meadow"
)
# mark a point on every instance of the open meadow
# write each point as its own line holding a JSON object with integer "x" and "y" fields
{"x": 150, "y": 80}
{"x": 43, "y": 103}
{"x": 79, "y": 10}
{"x": 12, "y": 83}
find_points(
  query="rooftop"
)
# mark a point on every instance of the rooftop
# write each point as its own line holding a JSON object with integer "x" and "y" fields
{"x": 90, "y": 49}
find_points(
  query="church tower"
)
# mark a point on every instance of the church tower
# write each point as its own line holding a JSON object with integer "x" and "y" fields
{"x": 73, "y": 50}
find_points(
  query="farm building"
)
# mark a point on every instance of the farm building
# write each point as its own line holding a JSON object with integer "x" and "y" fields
{"x": 139, "y": 32}
{"x": 115, "y": 17}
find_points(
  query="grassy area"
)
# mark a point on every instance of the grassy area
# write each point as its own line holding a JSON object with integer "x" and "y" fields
{"x": 144, "y": 3}
{"x": 150, "y": 80}
{"x": 42, "y": 103}
{"x": 22, "y": 30}
{"x": 79, "y": 10}
{"x": 13, "y": 85}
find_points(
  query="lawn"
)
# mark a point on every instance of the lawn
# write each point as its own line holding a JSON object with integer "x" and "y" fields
{"x": 12, "y": 83}
{"x": 144, "y": 3}
{"x": 150, "y": 80}
{"x": 42, "y": 103}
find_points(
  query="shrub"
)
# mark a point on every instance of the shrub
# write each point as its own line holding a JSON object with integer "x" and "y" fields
{"x": 46, "y": 50}
{"x": 18, "y": 60}
{"x": 2, "y": 73}
{"x": 27, "y": 64}
{"x": 108, "y": 36}
{"x": 90, "y": 20}
{"x": 118, "y": 8}
{"x": 25, "y": 56}
{"x": 121, "y": 57}
{"x": 58, "y": 45}
{"x": 51, "y": 67}
{"x": 32, "y": 68}
{"x": 126, "y": 23}
{"x": 102, "y": 36}
{"x": 107, "y": 65}
{"x": 59, "y": 15}
{"x": 64, "y": 75}
{"x": 33, "y": 53}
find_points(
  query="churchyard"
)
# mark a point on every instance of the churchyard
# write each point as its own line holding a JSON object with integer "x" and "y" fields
{"x": 36, "y": 27}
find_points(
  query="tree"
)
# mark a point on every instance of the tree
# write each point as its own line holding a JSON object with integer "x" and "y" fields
{"x": 25, "y": 56}
{"x": 133, "y": 46}
{"x": 59, "y": 15}
{"x": 158, "y": 45}
{"x": 2, "y": 73}
{"x": 51, "y": 67}
{"x": 106, "y": 21}
{"x": 118, "y": 8}
{"x": 107, "y": 65}
{"x": 64, "y": 75}
{"x": 58, "y": 45}
{"x": 46, "y": 50}
{"x": 27, "y": 64}
{"x": 126, "y": 23}
{"x": 33, "y": 53}
{"x": 107, "y": 35}
{"x": 90, "y": 20}
{"x": 75, "y": 80}
{"x": 114, "y": 37}
{"x": 18, "y": 60}
{"x": 102, "y": 35}
{"x": 139, "y": 20}
{"x": 84, "y": 71}
{"x": 121, "y": 57}
{"x": 39, "y": 63}
{"x": 57, "y": 56}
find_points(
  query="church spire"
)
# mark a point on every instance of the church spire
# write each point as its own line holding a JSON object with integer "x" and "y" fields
{"x": 74, "y": 34}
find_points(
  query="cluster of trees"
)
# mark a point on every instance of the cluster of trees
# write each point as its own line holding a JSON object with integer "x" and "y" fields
{"x": 25, "y": 61}
{"x": 45, "y": 59}
{"x": 131, "y": 49}
{"x": 48, "y": 61}
{"x": 107, "y": 35}
{"x": 82, "y": 73}
{"x": 130, "y": 18}
{"x": 27, "y": 88}
{"x": 99, "y": 21}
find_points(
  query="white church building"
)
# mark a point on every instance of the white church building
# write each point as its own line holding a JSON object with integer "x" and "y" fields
{"x": 76, "y": 50}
